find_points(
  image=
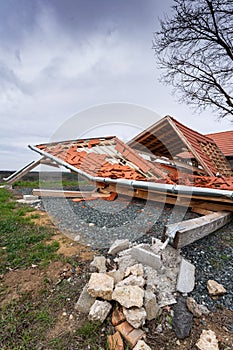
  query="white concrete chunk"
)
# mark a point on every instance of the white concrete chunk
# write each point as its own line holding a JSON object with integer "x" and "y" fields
{"x": 207, "y": 341}
{"x": 124, "y": 262}
{"x": 135, "y": 316}
{"x": 117, "y": 275}
{"x": 186, "y": 277}
{"x": 132, "y": 281}
{"x": 118, "y": 246}
{"x": 99, "y": 311}
{"x": 215, "y": 288}
{"x": 129, "y": 296}
{"x": 98, "y": 264}
{"x": 136, "y": 270}
{"x": 84, "y": 302}
{"x": 101, "y": 285}
{"x": 146, "y": 257}
{"x": 151, "y": 305}
{"x": 141, "y": 345}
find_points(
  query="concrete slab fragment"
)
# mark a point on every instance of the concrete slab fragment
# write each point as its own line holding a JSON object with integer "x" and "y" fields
{"x": 186, "y": 277}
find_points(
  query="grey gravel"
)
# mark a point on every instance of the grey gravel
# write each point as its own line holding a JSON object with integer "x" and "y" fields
{"x": 139, "y": 221}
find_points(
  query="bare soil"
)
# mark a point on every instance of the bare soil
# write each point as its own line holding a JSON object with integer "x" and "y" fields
{"x": 33, "y": 280}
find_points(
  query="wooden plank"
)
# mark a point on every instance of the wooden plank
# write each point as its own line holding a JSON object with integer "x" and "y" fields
{"x": 21, "y": 172}
{"x": 69, "y": 194}
{"x": 169, "y": 199}
{"x": 189, "y": 231}
{"x": 201, "y": 211}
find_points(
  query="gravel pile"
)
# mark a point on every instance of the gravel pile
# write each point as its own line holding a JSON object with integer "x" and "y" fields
{"x": 98, "y": 223}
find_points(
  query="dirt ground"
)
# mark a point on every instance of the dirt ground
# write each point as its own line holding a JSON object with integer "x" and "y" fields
{"x": 32, "y": 280}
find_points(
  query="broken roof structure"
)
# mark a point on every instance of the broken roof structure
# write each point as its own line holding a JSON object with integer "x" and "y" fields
{"x": 106, "y": 157}
{"x": 170, "y": 138}
{"x": 109, "y": 162}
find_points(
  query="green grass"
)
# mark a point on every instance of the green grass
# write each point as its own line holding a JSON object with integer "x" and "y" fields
{"x": 26, "y": 322}
{"x": 22, "y": 243}
{"x": 49, "y": 184}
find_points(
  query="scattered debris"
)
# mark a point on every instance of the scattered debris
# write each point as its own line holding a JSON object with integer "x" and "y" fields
{"x": 118, "y": 246}
{"x": 207, "y": 341}
{"x": 139, "y": 291}
{"x": 85, "y": 301}
{"x": 99, "y": 310}
{"x": 98, "y": 264}
{"x": 182, "y": 320}
{"x": 215, "y": 288}
{"x": 196, "y": 309}
{"x": 141, "y": 345}
{"x": 186, "y": 277}
{"x": 100, "y": 285}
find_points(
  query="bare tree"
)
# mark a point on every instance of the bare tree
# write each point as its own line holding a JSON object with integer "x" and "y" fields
{"x": 194, "y": 47}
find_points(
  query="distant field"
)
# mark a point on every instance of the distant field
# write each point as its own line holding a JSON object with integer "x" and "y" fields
{"x": 48, "y": 180}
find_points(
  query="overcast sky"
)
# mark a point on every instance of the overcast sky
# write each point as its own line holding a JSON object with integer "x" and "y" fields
{"x": 59, "y": 57}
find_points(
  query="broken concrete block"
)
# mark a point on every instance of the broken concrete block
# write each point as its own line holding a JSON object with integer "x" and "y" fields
{"x": 124, "y": 262}
{"x": 115, "y": 342}
{"x": 207, "y": 341}
{"x": 196, "y": 309}
{"x": 117, "y": 316}
{"x": 152, "y": 278}
{"x": 146, "y": 257}
{"x": 165, "y": 297}
{"x": 215, "y": 288}
{"x": 151, "y": 306}
{"x": 100, "y": 285}
{"x": 183, "y": 319}
{"x": 132, "y": 281}
{"x": 135, "y": 316}
{"x": 141, "y": 345}
{"x": 129, "y": 296}
{"x": 84, "y": 302}
{"x": 118, "y": 246}
{"x": 136, "y": 270}
{"x": 117, "y": 275}
{"x": 186, "y": 277}
{"x": 98, "y": 264}
{"x": 99, "y": 311}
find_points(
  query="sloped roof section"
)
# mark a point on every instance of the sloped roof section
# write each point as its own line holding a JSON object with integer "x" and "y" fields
{"x": 106, "y": 157}
{"x": 224, "y": 140}
{"x": 168, "y": 138}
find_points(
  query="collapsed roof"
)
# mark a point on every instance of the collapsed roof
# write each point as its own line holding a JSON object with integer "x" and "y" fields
{"x": 102, "y": 157}
{"x": 170, "y": 138}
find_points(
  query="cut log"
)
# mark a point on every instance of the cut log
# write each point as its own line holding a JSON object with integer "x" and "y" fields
{"x": 186, "y": 232}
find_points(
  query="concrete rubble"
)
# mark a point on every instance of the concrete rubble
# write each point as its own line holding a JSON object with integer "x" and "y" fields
{"x": 215, "y": 288}
{"x": 207, "y": 341}
{"x": 99, "y": 310}
{"x": 142, "y": 281}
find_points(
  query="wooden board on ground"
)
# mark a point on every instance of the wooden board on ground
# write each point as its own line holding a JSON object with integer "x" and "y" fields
{"x": 186, "y": 232}
{"x": 201, "y": 211}
{"x": 69, "y": 194}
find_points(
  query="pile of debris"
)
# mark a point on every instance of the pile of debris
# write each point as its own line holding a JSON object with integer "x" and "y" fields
{"x": 134, "y": 284}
